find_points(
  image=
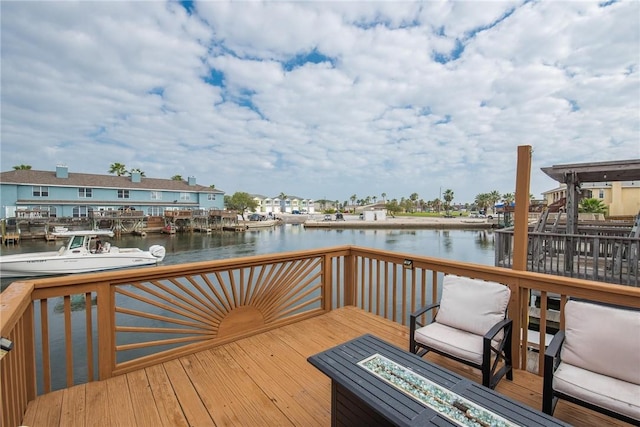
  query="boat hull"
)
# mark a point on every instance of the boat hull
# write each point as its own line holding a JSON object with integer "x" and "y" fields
{"x": 50, "y": 263}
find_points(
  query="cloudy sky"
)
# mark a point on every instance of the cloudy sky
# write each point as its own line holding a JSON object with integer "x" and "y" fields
{"x": 321, "y": 99}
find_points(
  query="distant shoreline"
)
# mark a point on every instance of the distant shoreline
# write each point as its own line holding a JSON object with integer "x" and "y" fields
{"x": 353, "y": 222}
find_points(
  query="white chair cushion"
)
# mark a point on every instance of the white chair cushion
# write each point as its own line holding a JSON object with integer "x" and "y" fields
{"x": 472, "y": 305}
{"x": 458, "y": 343}
{"x": 602, "y": 339}
{"x": 601, "y": 390}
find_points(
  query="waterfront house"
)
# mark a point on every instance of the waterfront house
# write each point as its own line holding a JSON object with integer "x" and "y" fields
{"x": 61, "y": 193}
{"x": 620, "y": 198}
{"x": 289, "y": 204}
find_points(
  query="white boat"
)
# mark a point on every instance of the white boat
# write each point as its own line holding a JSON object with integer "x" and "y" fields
{"x": 84, "y": 252}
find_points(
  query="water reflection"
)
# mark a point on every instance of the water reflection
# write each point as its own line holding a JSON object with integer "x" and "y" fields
{"x": 462, "y": 245}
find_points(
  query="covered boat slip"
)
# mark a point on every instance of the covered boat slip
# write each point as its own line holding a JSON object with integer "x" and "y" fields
{"x": 263, "y": 380}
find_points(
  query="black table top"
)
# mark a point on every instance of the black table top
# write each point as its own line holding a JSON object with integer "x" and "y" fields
{"x": 340, "y": 363}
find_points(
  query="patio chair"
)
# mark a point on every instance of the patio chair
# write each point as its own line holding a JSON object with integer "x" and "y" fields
{"x": 595, "y": 361}
{"x": 470, "y": 327}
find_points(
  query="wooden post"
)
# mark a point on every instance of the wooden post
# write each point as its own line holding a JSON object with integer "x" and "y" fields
{"x": 106, "y": 331}
{"x": 349, "y": 279}
{"x": 521, "y": 220}
{"x": 327, "y": 285}
{"x": 519, "y": 302}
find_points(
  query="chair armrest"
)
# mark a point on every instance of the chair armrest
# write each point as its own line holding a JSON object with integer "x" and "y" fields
{"x": 503, "y": 324}
{"x": 413, "y": 322}
{"x": 551, "y": 362}
{"x": 419, "y": 312}
{"x": 414, "y": 316}
{"x": 551, "y": 355}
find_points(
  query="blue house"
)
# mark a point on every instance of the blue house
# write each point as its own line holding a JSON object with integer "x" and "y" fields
{"x": 47, "y": 194}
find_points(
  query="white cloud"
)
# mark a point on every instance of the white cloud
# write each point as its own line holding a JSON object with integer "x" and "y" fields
{"x": 92, "y": 83}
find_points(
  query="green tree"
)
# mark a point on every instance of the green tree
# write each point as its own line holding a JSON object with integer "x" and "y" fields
{"x": 437, "y": 204}
{"x": 22, "y": 167}
{"x": 176, "y": 178}
{"x": 392, "y": 207}
{"x": 448, "y": 198}
{"x": 212, "y": 186}
{"x": 241, "y": 202}
{"x": 592, "y": 206}
{"x": 353, "y": 199}
{"x": 494, "y": 197}
{"x": 384, "y": 197}
{"x": 483, "y": 200}
{"x": 134, "y": 170}
{"x": 118, "y": 168}
{"x": 414, "y": 200}
{"x": 508, "y": 198}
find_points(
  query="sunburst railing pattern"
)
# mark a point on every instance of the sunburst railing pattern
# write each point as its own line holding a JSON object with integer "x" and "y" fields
{"x": 208, "y": 308}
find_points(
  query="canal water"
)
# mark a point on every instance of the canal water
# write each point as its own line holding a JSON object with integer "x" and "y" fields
{"x": 476, "y": 246}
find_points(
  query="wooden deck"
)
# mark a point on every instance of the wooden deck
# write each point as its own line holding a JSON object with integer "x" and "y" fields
{"x": 264, "y": 380}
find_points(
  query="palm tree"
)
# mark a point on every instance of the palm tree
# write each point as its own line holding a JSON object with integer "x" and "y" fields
{"x": 437, "y": 204}
{"x": 508, "y": 198}
{"x": 592, "y": 206}
{"x": 176, "y": 178}
{"x": 118, "y": 168}
{"x": 137, "y": 170}
{"x": 448, "y": 197}
{"x": 384, "y": 197}
{"x": 483, "y": 200}
{"x": 22, "y": 167}
{"x": 414, "y": 199}
{"x": 494, "y": 197}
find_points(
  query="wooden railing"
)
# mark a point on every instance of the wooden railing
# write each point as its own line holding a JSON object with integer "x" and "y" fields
{"x": 603, "y": 258}
{"x": 79, "y": 328}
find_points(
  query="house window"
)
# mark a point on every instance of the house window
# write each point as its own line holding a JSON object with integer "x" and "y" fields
{"x": 85, "y": 193}
{"x": 81, "y": 211}
{"x": 185, "y": 196}
{"x": 601, "y": 194}
{"x": 156, "y": 195}
{"x": 123, "y": 194}
{"x": 39, "y": 191}
{"x": 211, "y": 196}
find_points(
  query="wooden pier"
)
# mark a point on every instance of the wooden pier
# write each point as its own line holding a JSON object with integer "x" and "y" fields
{"x": 10, "y": 238}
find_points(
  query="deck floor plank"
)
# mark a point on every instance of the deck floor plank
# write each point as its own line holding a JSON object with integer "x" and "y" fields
{"x": 164, "y": 397}
{"x": 73, "y": 407}
{"x": 209, "y": 396}
{"x": 97, "y": 404}
{"x": 190, "y": 400}
{"x": 144, "y": 414}
{"x": 250, "y": 402}
{"x": 119, "y": 397}
{"x": 263, "y": 380}
{"x": 288, "y": 385}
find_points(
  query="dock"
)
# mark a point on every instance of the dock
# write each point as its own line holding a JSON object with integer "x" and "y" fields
{"x": 10, "y": 238}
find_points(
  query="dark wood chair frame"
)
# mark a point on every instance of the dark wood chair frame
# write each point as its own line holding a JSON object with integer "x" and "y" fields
{"x": 490, "y": 374}
{"x": 550, "y": 396}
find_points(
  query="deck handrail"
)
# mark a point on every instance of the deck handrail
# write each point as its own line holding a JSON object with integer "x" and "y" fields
{"x": 601, "y": 257}
{"x": 149, "y": 315}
